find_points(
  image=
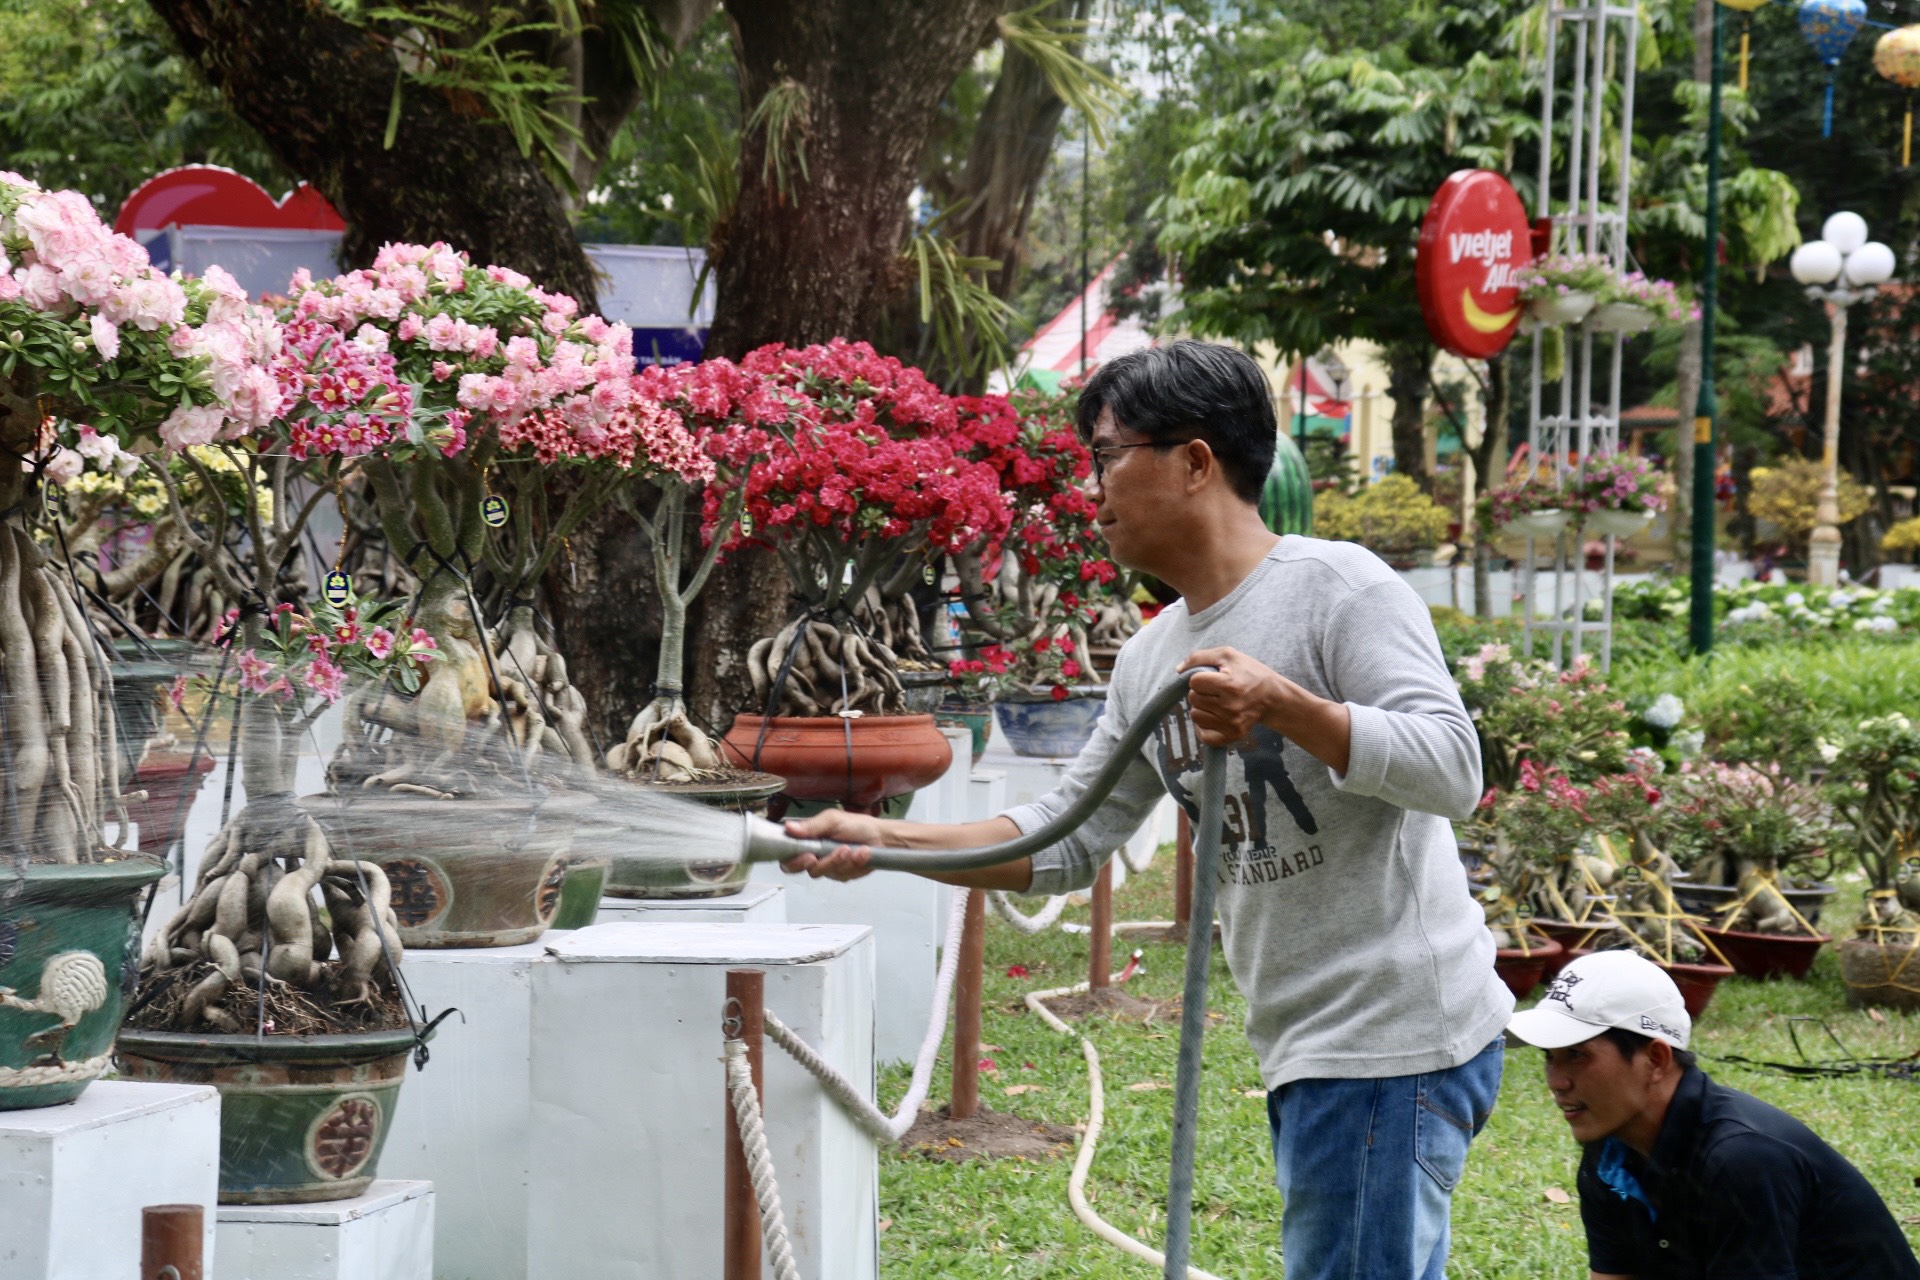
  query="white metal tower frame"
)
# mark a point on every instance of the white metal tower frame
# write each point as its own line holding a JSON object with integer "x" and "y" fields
{"x": 1605, "y": 46}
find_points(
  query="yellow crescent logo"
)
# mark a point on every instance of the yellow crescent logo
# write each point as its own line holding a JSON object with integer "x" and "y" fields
{"x": 1482, "y": 320}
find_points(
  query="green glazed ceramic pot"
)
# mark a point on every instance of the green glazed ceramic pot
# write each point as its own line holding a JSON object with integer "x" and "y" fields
{"x": 69, "y": 955}
{"x": 697, "y": 878}
{"x": 580, "y": 896}
{"x": 302, "y": 1118}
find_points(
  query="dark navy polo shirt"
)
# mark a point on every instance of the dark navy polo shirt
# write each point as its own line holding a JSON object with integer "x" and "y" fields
{"x": 1735, "y": 1190}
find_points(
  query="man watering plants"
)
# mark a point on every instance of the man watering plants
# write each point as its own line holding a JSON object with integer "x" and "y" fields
{"x": 1683, "y": 1177}
{"x": 1372, "y": 1002}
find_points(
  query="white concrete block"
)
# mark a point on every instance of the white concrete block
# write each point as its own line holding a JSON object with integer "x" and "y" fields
{"x": 759, "y": 903}
{"x": 629, "y": 1099}
{"x": 74, "y": 1178}
{"x": 462, "y": 1124}
{"x": 386, "y": 1234}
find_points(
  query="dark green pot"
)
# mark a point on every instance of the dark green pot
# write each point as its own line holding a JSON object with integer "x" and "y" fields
{"x": 302, "y": 1118}
{"x": 69, "y": 951}
{"x": 696, "y": 877}
{"x": 465, "y": 873}
{"x": 976, "y": 717}
{"x": 580, "y": 896}
{"x": 1286, "y": 500}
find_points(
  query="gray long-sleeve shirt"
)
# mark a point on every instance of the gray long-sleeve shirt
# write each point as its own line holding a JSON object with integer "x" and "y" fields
{"x": 1348, "y": 923}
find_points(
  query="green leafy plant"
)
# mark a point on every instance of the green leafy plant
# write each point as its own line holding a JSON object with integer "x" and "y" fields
{"x": 1391, "y": 518}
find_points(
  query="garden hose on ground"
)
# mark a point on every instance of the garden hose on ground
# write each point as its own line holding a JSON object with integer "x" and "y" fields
{"x": 766, "y": 842}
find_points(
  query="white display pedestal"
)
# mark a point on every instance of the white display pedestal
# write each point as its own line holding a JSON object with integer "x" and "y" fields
{"x": 908, "y": 916}
{"x": 462, "y": 1123}
{"x": 386, "y": 1234}
{"x": 74, "y": 1178}
{"x": 629, "y": 1100}
{"x": 758, "y": 903}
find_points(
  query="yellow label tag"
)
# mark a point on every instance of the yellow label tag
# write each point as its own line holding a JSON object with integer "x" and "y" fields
{"x": 1703, "y": 430}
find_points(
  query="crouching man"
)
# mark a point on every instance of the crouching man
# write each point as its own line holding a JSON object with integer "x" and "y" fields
{"x": 1683, "y": 1177}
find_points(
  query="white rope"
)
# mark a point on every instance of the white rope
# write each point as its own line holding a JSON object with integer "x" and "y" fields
{"x": 61, "y": 1073}
{"x": 882, "y": 1128}
{"x": 1146, "y": 859}
{"x": 753, "y": 1140}
{"x": 1090, "y": 1140}
{"x": 1039, "y": 920}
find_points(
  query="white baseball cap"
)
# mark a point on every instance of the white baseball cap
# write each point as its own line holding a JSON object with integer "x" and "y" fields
{"x": 1606, "y": 989}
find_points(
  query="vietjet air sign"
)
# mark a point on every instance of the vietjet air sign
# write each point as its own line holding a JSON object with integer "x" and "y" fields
{"x": 1473, "y": 241}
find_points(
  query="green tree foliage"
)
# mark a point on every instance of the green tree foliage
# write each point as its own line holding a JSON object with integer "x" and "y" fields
{"x": 94, "y": 97}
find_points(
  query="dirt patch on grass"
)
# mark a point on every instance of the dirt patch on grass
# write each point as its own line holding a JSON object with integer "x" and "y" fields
{"x": 987, "y": 1135}
{"x": 1114, "y": 1004}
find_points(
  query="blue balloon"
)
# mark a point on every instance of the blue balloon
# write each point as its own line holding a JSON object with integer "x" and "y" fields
{"x": 1830, "y": 25}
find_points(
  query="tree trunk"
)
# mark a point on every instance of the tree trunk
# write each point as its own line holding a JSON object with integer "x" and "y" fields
{"x": 1407, "y": 365}
{"x": 822, "y": 258}
{"x": 1489, "y": 456}
{"x": 317, "y": 89}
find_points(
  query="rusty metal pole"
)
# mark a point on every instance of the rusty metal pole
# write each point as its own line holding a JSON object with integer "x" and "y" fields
{"x": 171, "y": 1240}
{"x": 966, "y": 1009}
{"x": 1183, "y": 876}
{"x": 744, "y": 1019}
{"x": 1100, "y": 936}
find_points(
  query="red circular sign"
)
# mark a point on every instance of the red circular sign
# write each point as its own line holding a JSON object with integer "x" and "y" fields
{"x": 1474, "y": 238}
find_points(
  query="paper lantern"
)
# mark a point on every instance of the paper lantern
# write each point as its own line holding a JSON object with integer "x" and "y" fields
{"x": 1897, "y": 57}
{"x": 1829, "y": 26}
{"x": 1745, "y": 9}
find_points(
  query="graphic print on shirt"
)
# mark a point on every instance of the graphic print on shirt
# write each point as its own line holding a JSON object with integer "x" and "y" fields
{"x": 1247, "y": 855}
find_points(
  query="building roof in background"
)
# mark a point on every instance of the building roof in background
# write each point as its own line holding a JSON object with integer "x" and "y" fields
{"x": 1053, "y": 352}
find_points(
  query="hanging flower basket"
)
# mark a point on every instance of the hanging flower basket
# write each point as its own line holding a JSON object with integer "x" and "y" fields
{"x": 1041, "y": 726}
{"x": 1548, "y": 523}
{"x": 857, "y": 761}
{"x": 1561, "y": 308}
{"x": 1612, "y": 522}
{"x": 1622, "y": 317}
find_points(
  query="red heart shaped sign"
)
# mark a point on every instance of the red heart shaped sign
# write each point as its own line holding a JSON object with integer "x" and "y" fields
{"x": 205, "y": 195}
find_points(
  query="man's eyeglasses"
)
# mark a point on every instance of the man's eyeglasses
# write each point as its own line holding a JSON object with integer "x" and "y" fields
{"x": 1101, "y": 461}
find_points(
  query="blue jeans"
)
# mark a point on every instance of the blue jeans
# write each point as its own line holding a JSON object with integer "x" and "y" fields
{"x": 1368, "y": 1167}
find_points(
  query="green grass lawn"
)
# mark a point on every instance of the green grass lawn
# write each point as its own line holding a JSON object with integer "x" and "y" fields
{"x": 1010, "y": 1218}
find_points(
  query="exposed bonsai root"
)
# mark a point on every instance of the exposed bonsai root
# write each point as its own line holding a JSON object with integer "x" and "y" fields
{"x": 832, "y": 671}
{"x": 664, "y": 745}
{"x": 259, "y": 894}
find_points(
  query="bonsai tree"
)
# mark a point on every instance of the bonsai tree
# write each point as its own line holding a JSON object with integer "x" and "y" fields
{"x": 1874, "y": 785}
{"x": 91, "y": 332}
{"x": 1526, "y": 711}
{"x": 865, "y": 480}
{"x": 1391, "y": 518}
{"x": 1746, "y": 825}
{"x": 439, "y": 377}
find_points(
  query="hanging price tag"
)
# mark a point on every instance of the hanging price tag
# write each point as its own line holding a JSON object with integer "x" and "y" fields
{"x": 337, "y": 589}
{"x": 1631, "y": 875}
{"x": 1524, "y": 911}
{"x": 493, "y": 509}
{"x": 932, "y": 574}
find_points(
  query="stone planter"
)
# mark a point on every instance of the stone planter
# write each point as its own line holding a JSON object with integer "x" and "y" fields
{"x": 1883, "y": 974}
{"x": 1522, "y": 971}
{"x": 1042, "y": 727}
{"x": 302, "y": 1118}
{"x": 69, "y": 955}
{"x": 580, "y": 895}
{"x": 171, "y": 785}
{"x": 1767, "y": 955}
{"x": 697, "y": 877}
{"x": 924, "y": 690}
{"x": 975, "y": 717}
{"x": 857, "y": 761}
{"x": 1611, "y": 522}
{"x": 465, "y": 873}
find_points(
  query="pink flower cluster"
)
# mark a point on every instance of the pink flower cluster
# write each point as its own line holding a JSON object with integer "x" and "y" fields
{"x": 417, "y": 349}
{"x": 65, "y": 275}
{"x": 1618, "y": 482}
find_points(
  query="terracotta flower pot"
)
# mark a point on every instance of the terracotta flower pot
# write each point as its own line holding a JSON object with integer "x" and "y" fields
{"x": 302, "y": 1118}
{"x": 1883, "y": 974}
{"x": 1767, "y": 955}
{"x": 1522, "y": 971}
{"x": 859, "y": 761}
{"x": 170, "y": 786}
{"x": 1574, "y": 939}
{"x": 1696, "y": 983}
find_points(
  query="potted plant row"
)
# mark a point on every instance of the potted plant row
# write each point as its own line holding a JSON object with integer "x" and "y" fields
{"x": 1611, "y": 494}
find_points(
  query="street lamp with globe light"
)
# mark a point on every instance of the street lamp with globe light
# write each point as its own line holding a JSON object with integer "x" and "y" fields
{"x": 1841, "y": 268}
